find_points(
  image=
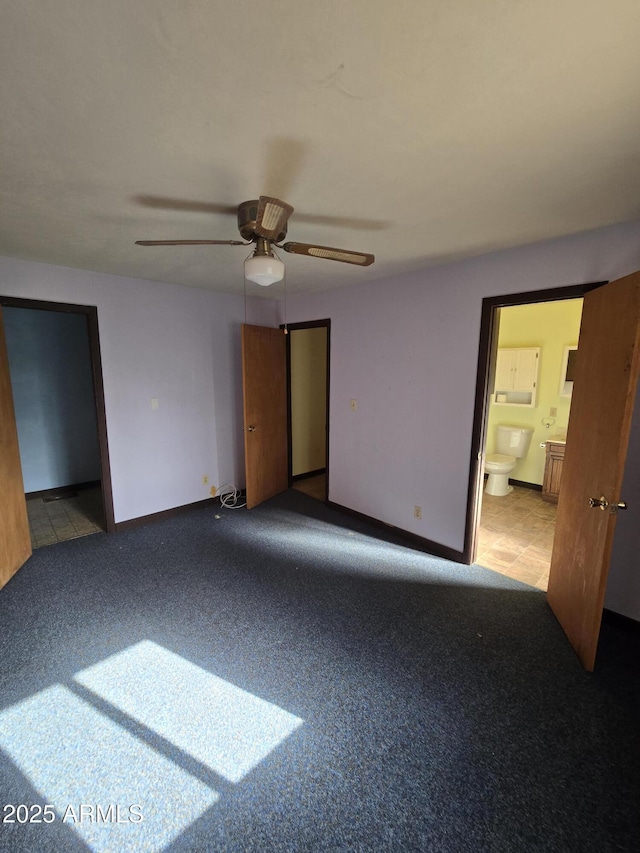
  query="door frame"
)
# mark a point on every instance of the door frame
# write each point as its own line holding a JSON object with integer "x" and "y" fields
{"x": 91, "y": 314}
{"x": 487, "y": 351}
{"x": 292, "y": 327}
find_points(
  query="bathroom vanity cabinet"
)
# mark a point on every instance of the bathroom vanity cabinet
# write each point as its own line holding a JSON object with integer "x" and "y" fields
{"x": 516, "y": 376}
{"x": 554, "y": 449}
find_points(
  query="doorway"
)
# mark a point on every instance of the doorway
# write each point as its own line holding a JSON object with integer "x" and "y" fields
{"x": 308, "y": 359}
{"x": 487, "y": 358}
{"x": 55, "y": 366}
{"x": 517, "y": 528}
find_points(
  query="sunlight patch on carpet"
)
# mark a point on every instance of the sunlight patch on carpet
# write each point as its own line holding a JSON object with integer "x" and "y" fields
{"x": 345, "y": 552}
{"x": 76, "y": 756}
{"x": 224, "y": 727}
{"x": 111, "y": 786}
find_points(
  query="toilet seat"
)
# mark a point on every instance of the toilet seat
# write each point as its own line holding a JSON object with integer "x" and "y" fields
{"x": 499, "y": 463}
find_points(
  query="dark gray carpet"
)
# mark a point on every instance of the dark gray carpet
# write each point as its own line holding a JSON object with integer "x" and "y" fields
{"x": 426, "y": 706}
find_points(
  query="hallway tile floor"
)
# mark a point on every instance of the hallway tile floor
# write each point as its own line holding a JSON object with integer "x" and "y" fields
{"x": 53, "y": 521}
{"x": 516, "y": 535}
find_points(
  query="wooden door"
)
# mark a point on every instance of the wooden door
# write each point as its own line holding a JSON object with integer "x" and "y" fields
{"x": 15, "y": 541}
{"x": 264, "y": 372}
{"x": 607, "y": 366}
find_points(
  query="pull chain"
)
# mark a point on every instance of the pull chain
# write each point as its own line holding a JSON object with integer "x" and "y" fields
{"x": 284, "y": 283}
{"x": 245, "y": 300}
{"x": 286, "y": 331}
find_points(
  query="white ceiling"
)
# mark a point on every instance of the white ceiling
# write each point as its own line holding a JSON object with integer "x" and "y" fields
{"x": 419, "y": 130}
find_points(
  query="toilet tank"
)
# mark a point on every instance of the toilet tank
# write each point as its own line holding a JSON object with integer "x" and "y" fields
{"x": 513, "y": 440}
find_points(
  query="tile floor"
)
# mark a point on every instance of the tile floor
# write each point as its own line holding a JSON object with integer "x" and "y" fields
{"x": 66, "y": 518}
{"x": 516, "y": 535}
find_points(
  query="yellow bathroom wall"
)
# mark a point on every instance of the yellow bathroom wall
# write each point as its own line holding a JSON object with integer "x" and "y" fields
{"x": 551, "y": 326}
{"x": 308, "y": 399}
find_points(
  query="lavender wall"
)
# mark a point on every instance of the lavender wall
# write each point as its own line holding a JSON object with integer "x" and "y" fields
{"x": 178, "y": 345}
{"x": 407, "y": 351}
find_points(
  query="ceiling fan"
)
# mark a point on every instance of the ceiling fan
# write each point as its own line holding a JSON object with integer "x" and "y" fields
{"x": 263, "y": 222}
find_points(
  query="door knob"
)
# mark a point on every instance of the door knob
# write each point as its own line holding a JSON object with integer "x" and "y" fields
{"x": 251, "y": 428}
{"x": 603, "y": 503}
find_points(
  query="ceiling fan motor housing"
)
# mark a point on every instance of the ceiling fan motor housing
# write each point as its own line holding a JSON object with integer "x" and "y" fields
{"x": 247, "y": 217}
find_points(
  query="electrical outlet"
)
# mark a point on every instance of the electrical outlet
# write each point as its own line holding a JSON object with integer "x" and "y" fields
{"x": 553, "y": 411}
{"x": 213, "y": 491}
{"x": 417, "y": 512}
{"x": 205, "y": 479}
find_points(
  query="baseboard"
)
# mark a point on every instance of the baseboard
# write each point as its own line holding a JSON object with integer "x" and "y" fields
{"x": 316, "y": 473}
{"x": 142, "y": 520}
{"x": 534, "y": 486}
{"x": 62, "y": 490}
{"x": 412, "y": 539}
{"x": 620, "y": 621}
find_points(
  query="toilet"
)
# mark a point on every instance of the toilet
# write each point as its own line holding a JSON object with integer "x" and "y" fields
{"x": 512, "y": 444}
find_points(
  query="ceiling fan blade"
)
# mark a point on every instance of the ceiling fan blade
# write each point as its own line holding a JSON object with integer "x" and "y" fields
{"x": 160, "y": 202}
{"x": 344, "y": 255}
{"x": 190, "y": 243}
{"x": 273, "y": 215}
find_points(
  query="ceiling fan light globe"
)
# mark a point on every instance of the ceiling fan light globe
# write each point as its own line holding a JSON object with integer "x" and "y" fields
{"x": 264, "y": 270}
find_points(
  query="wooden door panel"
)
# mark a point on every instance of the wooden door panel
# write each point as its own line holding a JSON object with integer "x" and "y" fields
{"x": 15, "y": 541}
{"x": 554, "y": 460}
{"x": 607, "y": 366}
{"x": 265, "y": 412}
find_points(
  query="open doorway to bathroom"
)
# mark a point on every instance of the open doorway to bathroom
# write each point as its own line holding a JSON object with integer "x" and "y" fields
{"x": 516, "y": 530}
{"x": 513, "y": 533}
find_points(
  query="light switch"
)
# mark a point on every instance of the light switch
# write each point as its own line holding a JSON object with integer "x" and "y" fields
{"x": 154, "y": 403}
{"x": 354, "y": 405}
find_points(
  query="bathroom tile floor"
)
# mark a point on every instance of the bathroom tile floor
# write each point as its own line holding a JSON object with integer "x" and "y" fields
{"x": 516, "y": 535}
{"x": 65, "y": 518}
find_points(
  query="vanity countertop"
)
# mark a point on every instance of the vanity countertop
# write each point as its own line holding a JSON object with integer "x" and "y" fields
{"x": 557, "y": 439}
